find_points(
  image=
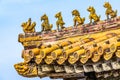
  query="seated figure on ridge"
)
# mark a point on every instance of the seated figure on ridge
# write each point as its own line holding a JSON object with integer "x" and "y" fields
{"x": 46, "y": 26}
{"x": 77, "y": 19}
{"x": 109, "y": 11}
{"x": 59, "y": 22}
{"x": 93, "y": 15}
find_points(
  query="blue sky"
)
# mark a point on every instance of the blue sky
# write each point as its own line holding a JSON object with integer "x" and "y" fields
{"x": 14, "y": 12}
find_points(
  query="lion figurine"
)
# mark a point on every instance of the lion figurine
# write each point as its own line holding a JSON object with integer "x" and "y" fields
{"x": 109, "y": 11}
{"x": 77, "y": 19}
{"x": 93, "y": 15}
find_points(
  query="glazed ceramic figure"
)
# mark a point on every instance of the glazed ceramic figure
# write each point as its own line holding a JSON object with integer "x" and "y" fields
{"x": 59, "y": 23}
{"x": 46, "y": 26}
{"x": 109, "y": 11}
{"x": 93, "y": 15}
{"x": 28, "y": 27}
{"x": 77, "y": 19}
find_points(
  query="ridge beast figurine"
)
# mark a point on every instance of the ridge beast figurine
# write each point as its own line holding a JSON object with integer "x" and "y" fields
{"x": 28, "y": 27}
{"x": 46, "y": 26}
{"x": 59, "y": 22}
{"x": 93, "y": 15}
{"x": 77, "y": 19}
{"x": 109, "y": 11}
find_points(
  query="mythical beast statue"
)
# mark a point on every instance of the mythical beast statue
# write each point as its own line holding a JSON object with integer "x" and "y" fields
{"x": 109, "y": 11}
{"x": 59, "y": 22}
{"x": 27, "y": 70}
{"x": 28, "y": 27}
{"x": 77, "y": 19}
{"x": 46, "y": 26}
{"x": 93, "y": 15}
